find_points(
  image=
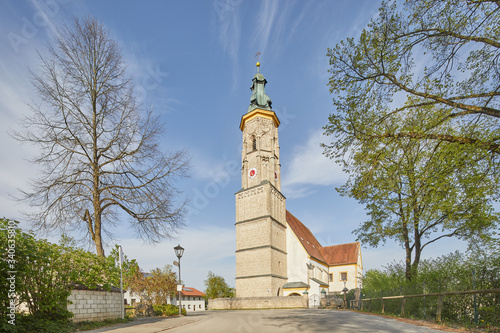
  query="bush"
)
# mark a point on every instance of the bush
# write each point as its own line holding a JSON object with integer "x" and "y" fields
{"x": 32, "y": 324}
{"x": 452, "y": 272}
{"x": 167, "y": 310}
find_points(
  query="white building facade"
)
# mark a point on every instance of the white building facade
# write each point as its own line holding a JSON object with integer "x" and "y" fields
{"x": 314, "y": 269}
{"x": 191, "y": 299}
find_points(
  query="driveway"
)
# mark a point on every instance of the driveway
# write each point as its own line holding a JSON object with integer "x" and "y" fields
{"x": 263, "y": 321}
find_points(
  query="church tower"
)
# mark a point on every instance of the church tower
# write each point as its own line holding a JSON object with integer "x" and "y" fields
{"x": 261, "y": 258}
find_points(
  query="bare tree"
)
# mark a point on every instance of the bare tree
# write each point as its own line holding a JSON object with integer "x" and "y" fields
{"x": 99, "y": 149}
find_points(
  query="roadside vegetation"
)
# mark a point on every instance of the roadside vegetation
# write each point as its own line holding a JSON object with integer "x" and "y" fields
{"x": 455, "y": 272}
{"x": 43, "y": 274}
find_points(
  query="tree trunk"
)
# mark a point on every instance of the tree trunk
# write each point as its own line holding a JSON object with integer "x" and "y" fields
{"x": 98, "y": 238}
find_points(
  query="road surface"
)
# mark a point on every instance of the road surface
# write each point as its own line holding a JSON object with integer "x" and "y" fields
{"x": 264, "y": 321}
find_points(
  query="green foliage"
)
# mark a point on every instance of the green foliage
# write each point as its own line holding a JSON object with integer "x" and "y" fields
{"x": 217, "y": 287}
{"x": 168, "y": 310}
{"x": 44, "y": 275}
{"x": 43, "y": 270}
{"x": 417, "y": 122}
{"x": 417, "y": 192}
{"x": 155, "y": 287}
{"x": 453, "y": 272}
{"x": 415, "y": 54}
{"x": 90, "y": 325}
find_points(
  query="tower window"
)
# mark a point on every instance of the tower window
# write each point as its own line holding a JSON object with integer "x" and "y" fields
{"x": 254, "y": 143}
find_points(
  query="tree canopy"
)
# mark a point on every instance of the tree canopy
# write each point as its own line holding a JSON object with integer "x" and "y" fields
{"x": 217, "y": 287}
{"x": 99, "y": 149}
{"x": 42, "y": 274}
{"x": 443, "y": 54}
{"x": 416, "y": 124}
{"x": 154, "y": 287}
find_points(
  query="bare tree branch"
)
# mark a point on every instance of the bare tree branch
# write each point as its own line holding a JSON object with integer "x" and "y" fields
{"x": 99, "y": 149}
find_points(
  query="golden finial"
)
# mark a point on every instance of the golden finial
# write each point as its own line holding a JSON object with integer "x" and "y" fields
{"x": 258, "y": 62}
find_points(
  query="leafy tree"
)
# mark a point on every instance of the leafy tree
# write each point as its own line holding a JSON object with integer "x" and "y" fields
{"x": 155, "y": 287}
{"x": 42, "y": 279}
{"x": 45, "y": 273}
{"x": 424, "y": 168}
{"x": 162, "y": 284}
{"x": 99, "y": 149}
{"x": 452, "y": 272}
{"x": 442, "y": 54}
{"x": 417, "y": 192}
{"x": 217, "y": 287}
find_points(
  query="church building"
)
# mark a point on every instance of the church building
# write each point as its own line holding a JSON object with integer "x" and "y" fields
{"x": 276, "y": 254}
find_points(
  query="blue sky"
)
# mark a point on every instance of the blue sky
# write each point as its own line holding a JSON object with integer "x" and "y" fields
{"x": 193, "y": 61}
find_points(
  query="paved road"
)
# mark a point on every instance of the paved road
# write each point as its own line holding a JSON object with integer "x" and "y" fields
{"x": 272, "y": 321}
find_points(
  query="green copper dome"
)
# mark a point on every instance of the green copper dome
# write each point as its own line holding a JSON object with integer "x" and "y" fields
{"x": 259, "y": 99}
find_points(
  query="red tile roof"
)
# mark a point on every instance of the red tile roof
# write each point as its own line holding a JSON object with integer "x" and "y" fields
{"x": 305, "y": 236}
{"x": 334, "y": 255}
{"x": 342, "y": 254}
{"x": 188, "y": 291}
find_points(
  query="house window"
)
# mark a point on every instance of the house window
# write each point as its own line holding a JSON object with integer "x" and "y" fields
{"x": 199, "y": 306}
{"x": 330, "y": 277}
{"x": 189, "y": 306}
{"x": 343, "y": 276}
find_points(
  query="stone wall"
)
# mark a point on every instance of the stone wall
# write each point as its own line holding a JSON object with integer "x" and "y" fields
{"x": 95, "y": 304}
{"x": 275, "y": 302}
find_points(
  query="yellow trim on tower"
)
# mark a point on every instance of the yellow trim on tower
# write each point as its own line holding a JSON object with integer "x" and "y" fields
{"x": 259, "y": 112}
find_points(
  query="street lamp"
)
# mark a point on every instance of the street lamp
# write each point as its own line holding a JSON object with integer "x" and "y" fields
{"x": 179, "y": 251}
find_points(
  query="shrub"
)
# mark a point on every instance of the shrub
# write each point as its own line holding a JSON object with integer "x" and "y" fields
{"x": 167, "y": 310}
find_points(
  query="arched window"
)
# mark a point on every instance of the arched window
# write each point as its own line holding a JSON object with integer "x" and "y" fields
{"x": 254, "y": 143}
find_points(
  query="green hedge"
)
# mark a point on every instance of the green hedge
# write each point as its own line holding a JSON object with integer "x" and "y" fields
{"x": 167, "y": 310}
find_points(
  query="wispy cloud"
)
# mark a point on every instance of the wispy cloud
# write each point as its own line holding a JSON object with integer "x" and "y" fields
{"x": 210, "y": 248}
{"x": 229, "y": 27}
{"x": 310, "y": 167}
{"x": 15, "y": 92}
{"x": 267, "y": 24}
{"x": 46, "y": 14}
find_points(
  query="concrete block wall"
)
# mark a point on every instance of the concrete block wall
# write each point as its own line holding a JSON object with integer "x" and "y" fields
{"x": 94, "y": 305}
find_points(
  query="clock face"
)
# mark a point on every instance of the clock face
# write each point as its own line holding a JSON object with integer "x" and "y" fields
{"x": 252, "y": 173}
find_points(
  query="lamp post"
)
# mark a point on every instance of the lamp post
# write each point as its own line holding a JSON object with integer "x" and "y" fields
{"x": 179, "y": 251}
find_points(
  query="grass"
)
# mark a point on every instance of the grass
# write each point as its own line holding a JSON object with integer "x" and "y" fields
{"x": 92, "y": 325}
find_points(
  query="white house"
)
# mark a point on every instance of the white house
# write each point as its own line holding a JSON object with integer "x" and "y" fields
{"x": 191, "y": 299}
